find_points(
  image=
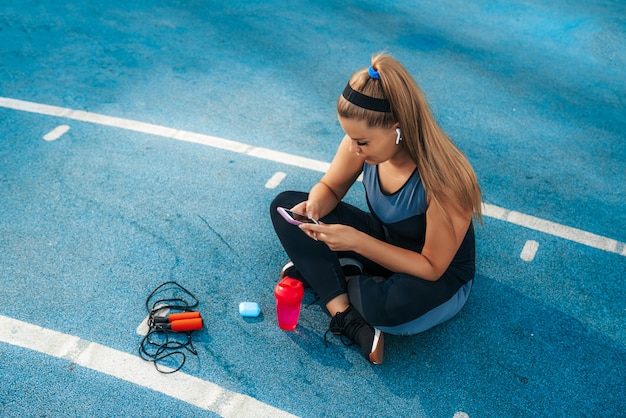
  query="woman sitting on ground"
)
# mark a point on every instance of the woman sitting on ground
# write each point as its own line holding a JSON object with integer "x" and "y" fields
{"x": 412, "y": 255}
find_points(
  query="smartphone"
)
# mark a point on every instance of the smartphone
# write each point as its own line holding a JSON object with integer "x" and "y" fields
{"x": 295, "y": 218}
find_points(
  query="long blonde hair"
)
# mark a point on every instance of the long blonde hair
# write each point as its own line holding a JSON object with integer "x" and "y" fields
{"x": 445, "y": 171}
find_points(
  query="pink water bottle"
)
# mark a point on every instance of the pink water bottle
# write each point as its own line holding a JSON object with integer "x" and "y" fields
{"x": 289, "y": 293}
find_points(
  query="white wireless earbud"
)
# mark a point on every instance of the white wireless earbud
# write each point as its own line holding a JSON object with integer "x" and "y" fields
{"x": 398, "y": 138}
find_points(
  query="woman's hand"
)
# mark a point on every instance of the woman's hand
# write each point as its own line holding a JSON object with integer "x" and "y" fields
{"x": 338, "y": 237}
{"x": 309, "y": 208}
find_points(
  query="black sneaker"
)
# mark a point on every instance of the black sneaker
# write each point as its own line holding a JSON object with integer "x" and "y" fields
{"x": 350, "y": 267}
{"x": 351, "y": 325}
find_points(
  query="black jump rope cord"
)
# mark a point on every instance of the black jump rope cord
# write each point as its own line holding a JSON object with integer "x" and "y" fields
{"x": 167, "y": 346}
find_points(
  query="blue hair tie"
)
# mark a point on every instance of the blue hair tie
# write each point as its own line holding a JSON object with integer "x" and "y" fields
{"x": 373, "y": 73}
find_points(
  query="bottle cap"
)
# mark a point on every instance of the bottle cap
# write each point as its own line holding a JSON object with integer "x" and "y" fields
{"x": 289, "y": 290}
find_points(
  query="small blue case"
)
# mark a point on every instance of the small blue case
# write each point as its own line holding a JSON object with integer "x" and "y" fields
{"x": 249, "y": 309}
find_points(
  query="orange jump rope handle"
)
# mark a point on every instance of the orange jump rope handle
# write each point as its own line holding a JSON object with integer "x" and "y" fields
{"x": 176, "y": 317}
{"x": 183, "y": 315}
{"x": 183, "y": 325}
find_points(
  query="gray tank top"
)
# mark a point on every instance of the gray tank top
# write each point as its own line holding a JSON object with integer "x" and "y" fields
{"x": 407, "y": 202}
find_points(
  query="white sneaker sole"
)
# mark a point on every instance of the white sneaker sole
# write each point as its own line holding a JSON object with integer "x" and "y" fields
{"x": 376, "y": 354}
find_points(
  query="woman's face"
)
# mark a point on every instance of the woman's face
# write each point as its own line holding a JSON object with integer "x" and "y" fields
{"x": 374, "y": 145}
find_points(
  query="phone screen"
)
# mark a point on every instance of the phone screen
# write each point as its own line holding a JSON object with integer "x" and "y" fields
{"x": 300, "y": 217}
{"x": 295, "y": 217}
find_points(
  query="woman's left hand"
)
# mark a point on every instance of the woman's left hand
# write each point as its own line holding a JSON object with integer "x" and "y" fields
{"x": 338, "y": 237}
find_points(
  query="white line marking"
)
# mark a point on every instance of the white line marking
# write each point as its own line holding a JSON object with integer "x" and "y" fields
{"x": 552, "y": 228}
{"x": 163, "y": 131}
{"x": 529, "y": 250}
{"x": 143, "y": 327}
{"x": 517, "y": 218}
{"x": 56, "y": 133}
{"x": 275, "y": 180}
{"x": 187, "y": 388}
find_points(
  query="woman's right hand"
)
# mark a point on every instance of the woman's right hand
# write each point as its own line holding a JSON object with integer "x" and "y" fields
{"x": 309, "y": 208}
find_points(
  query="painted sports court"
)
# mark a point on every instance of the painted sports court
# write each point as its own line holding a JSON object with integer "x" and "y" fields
{"x": 142, "y": 142}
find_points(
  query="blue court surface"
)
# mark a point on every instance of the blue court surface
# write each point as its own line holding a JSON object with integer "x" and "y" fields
{"x": 142, "y": 142}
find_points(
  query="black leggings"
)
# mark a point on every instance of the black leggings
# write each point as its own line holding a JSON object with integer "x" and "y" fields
{"x": 383, "y": 298}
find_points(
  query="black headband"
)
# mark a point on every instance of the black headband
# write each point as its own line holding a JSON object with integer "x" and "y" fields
{"x": 366, "y": 102}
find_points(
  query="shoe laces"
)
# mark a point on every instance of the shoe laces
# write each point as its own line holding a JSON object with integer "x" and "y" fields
{"x": 345, "y": 324}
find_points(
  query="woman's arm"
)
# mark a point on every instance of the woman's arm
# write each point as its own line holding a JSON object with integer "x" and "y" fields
{"x": 334, "y": 184}
{"x": 444, "y": 236}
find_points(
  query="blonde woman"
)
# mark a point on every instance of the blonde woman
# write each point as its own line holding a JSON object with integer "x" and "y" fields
{"x": 408, "y": 264}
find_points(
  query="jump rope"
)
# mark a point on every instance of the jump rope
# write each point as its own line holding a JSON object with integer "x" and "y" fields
{"x": 171, "y": 321}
